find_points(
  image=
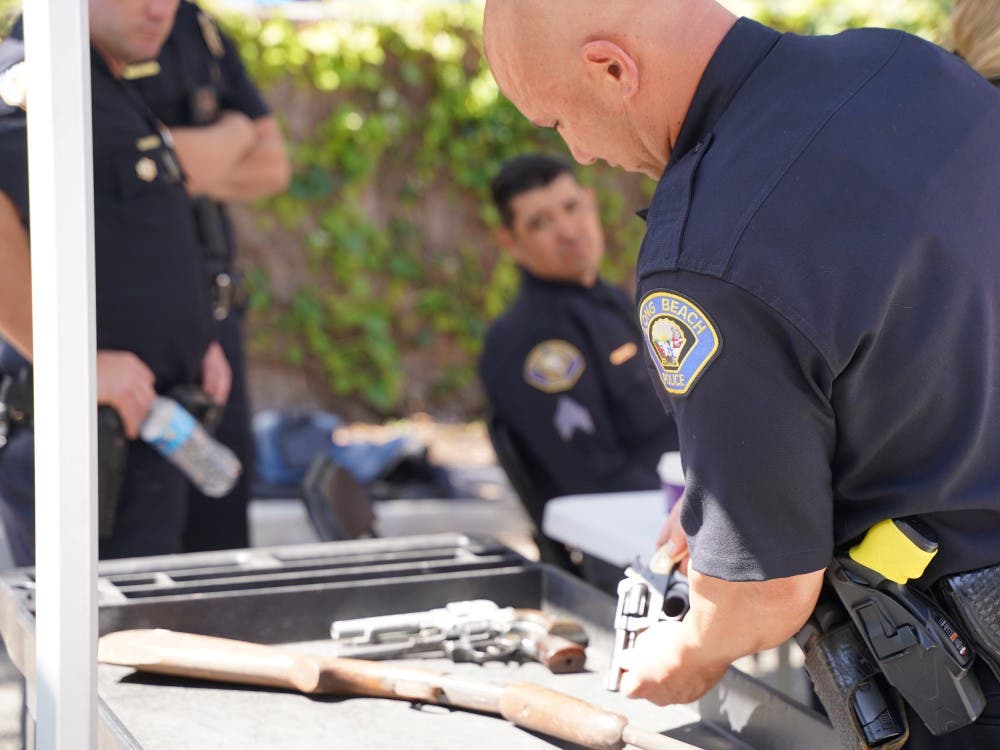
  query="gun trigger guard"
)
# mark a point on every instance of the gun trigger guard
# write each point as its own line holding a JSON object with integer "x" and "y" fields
{"x": 481, "y": 652}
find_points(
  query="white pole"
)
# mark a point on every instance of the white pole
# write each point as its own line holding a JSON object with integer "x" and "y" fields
{"x": 57, "y": 55}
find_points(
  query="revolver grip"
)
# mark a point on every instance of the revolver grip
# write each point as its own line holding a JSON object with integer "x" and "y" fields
{"x": 560, "y": 655}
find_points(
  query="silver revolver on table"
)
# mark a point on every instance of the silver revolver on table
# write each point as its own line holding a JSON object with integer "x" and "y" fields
{"x": 469, "y": 631}
{"x": 644, "y": 598}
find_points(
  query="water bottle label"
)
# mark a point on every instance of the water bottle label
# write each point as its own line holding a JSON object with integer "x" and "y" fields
{"x": 177, "y": 431}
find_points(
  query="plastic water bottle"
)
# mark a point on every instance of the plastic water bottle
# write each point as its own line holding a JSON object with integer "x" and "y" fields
{"x": 178, "y": 436}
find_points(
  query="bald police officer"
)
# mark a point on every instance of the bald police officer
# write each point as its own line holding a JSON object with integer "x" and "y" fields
{"x": 153, "y": 316}
{"x": 563, "y": 367}
{"x": 231, "y": 149}
{"x": 819, "y": 290}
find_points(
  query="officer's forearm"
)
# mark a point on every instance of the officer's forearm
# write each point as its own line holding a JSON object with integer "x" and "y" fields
{"x": 15, "y": 279}
{"x": 209, "y": 153}
{"x": 264, "y": 170}
{"x": 733, "y": 619}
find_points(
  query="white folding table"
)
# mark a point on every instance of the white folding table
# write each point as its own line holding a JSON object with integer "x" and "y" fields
{"x": 614, "y": 526}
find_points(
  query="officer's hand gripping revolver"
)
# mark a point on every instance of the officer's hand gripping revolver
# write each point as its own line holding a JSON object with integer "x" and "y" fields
{"x": 469, "y": 631}
{"x": 644, "y": 598}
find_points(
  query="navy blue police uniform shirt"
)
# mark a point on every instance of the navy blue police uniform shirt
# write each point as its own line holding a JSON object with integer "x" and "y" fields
{"x": 819, "y": 290}
{"x": 149, "y": 281}
{"x": 199, "y": 75}
{"x": 563, "y": 369}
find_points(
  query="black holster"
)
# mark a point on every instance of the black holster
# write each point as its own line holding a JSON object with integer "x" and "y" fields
{"x": 866, "y": 712}
{"x": 112, "y": 449}
{"x": 112, "y": 454}
{"x": 218, "y": 261}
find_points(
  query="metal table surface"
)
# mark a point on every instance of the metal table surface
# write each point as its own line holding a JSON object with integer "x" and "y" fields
{"x": 290, "y": 595}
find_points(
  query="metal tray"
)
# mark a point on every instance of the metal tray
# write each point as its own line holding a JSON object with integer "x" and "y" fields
{"x": 289, "y": 595}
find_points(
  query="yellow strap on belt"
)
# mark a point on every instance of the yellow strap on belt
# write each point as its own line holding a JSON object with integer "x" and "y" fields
{"x": 887, "y": 550}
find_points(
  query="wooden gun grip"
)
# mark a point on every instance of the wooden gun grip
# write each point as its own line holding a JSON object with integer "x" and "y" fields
{"x": 571, "y": 630}
{"x": 558, "y": 715}
{"x": 208, "y": 658}
{"x": 555, "y": 652}
{"x": 222, "y": 659}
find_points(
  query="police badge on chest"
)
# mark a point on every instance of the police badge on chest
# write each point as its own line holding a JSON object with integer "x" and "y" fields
{"x": 204, "y": 104}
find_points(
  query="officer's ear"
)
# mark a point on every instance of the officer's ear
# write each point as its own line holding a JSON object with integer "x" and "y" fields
{"x": 607, "y": 64}
{"x": 504, "y": 237}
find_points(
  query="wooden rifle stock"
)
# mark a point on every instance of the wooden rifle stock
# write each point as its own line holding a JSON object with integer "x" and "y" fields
{"x": 529, "y": 706}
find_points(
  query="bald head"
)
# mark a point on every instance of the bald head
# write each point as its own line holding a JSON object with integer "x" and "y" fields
{"x": 614, "y": 78}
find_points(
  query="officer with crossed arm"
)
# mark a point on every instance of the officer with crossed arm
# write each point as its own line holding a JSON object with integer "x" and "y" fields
{"x": 154, "y": 328}
{"x": 231, "y": 148}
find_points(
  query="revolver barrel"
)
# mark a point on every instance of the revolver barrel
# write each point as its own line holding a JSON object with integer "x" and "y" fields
{"x": 377, "y": 629}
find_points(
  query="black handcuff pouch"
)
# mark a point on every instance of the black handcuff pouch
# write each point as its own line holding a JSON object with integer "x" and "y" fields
{"x": 973, "y": 599}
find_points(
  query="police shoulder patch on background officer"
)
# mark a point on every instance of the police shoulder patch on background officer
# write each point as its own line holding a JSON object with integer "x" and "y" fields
{"x": 554, "y": 366}
{"x": 681, "y": 338}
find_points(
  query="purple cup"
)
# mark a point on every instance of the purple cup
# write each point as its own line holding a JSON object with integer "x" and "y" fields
{"x": 671, "y": 478}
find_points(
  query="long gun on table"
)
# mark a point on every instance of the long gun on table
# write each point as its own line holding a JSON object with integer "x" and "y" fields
{"x": 529, "y": 706}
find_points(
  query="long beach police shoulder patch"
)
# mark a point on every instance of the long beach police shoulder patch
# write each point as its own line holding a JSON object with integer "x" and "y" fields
{"x": 681, "y": 338}
{"x": 554, "y": 366}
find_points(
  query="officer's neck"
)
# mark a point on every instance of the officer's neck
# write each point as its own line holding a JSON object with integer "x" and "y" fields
{"x": 116, "y": 66}
{"x": 587, "y": 281}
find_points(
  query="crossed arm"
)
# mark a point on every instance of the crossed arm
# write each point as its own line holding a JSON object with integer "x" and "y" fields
{"x": 235, "y": 158}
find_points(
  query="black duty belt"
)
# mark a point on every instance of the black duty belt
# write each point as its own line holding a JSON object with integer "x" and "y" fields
{"x": 885, "y": 641}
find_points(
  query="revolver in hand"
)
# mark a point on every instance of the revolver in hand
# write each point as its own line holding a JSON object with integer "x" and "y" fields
{"x": 644, "y": 598}
{"x": 474, "y": 631}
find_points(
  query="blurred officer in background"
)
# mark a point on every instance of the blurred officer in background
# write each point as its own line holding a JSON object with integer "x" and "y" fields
{"x": 231, "y": 149}
{"x": 154, "y": 327}
{"x": 563, "y": 367}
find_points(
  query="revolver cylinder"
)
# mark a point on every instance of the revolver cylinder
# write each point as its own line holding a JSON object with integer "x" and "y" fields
{"x": 644, "y": 598}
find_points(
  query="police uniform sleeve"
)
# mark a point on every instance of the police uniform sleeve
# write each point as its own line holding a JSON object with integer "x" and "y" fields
{"x": 240, "y": 93}
{"x": 751, "y": 396}
{"x": 547, "y": 391}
